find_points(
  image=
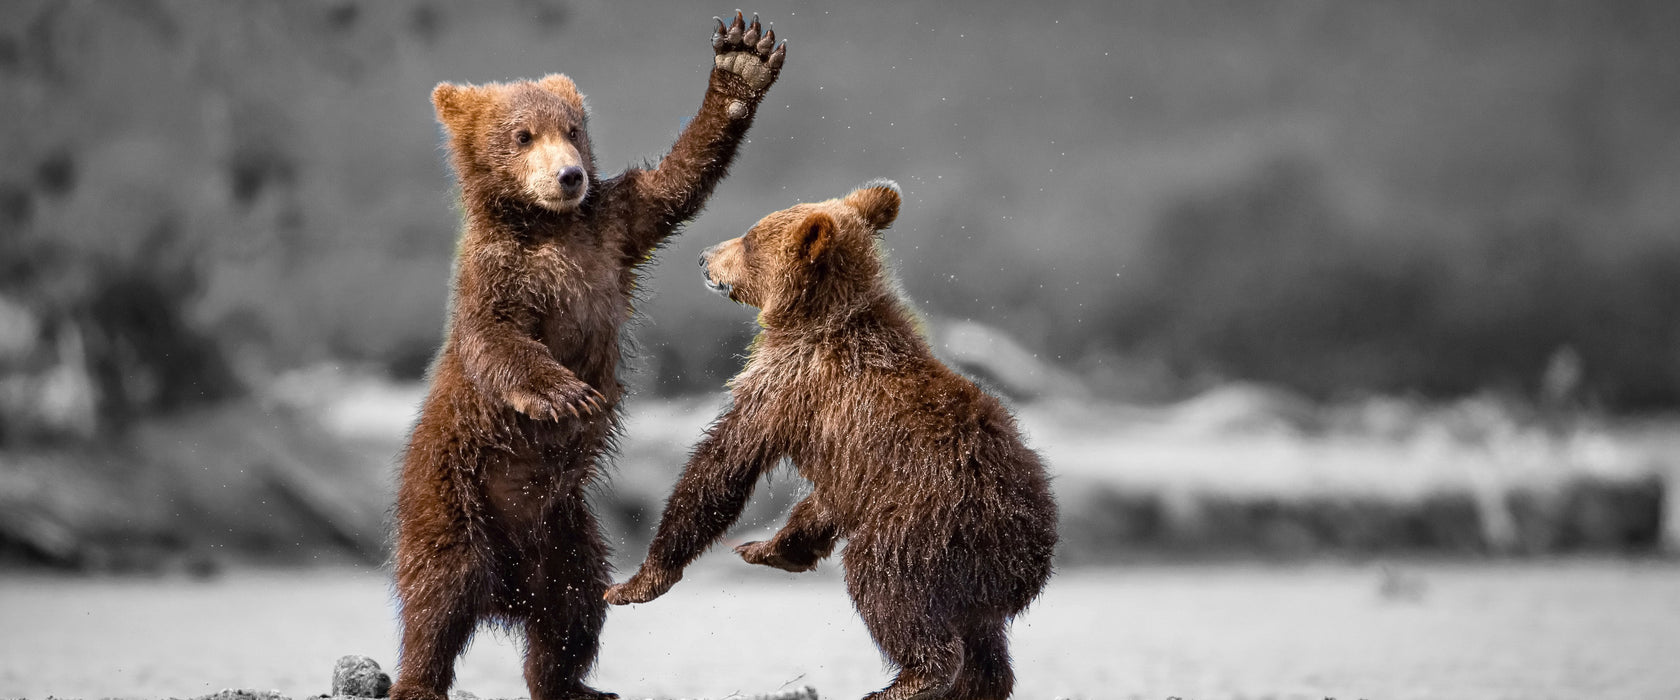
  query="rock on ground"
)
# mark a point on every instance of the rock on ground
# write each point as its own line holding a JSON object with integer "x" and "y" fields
{"x": 359, "y": 677}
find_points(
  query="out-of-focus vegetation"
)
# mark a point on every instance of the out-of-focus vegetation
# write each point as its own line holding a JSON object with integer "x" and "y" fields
{"x": 1429, "y": 198}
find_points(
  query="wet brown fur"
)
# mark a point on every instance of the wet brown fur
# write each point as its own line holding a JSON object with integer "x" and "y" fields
{"x": 949, "y": 520}
{"x": 491, "y": 520}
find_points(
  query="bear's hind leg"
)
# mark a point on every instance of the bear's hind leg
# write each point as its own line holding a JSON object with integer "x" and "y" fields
{"x": 986, "y": 673}
{"x": 439, "y": 614}
{"x": 560, "y": 649}
{"x": 927, "y": 668}
{"x": 909, "y": 628}
{"x": 563, "y": 625}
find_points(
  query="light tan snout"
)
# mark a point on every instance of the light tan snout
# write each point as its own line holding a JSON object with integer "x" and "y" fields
{"x": 724, "y": 267}
{"x": 554, "y": 174}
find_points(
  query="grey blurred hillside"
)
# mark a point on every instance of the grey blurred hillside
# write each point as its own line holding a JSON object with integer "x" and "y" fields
{"x": 1108, "y": 204}
{"x": 1340, "y": 197}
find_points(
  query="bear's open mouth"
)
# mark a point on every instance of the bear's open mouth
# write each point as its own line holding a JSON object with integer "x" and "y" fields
{"x": 718, "y": 287}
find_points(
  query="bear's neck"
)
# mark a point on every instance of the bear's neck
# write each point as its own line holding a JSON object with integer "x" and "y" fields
{"x": 518, "y": 218}
{"x": 877, "y": 322}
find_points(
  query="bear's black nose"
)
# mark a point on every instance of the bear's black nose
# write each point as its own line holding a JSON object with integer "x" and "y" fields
{"x": 571, "y": 178}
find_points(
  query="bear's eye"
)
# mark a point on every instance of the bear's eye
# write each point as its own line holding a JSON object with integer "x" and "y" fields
{"x": 572, "y": 133}
{"x": 523, "y": 137}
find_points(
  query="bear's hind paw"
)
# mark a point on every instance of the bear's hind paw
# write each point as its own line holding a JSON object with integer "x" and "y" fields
{"x": 584, "y": 692}
{"x": 763, "y": 554}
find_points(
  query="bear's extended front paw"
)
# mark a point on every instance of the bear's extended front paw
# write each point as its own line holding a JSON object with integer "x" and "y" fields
{"x": 749, "y": 52}
{"x": 642, "y": 587}
{"x": 574, "y": 398}
{"x": 765, "y": 554}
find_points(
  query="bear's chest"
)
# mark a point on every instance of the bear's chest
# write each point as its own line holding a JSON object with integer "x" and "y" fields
{"x": 582, "y": 297}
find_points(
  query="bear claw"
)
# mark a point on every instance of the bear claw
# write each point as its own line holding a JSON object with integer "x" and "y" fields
{"x": 578, "y": 401}
{"x": 748, "y": 50}
{"x": 735, "y": 29}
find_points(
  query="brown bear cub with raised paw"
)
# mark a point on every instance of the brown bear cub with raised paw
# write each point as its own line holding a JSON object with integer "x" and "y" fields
{"x": 491, "y": 521}
{"x": 948, "y": 517}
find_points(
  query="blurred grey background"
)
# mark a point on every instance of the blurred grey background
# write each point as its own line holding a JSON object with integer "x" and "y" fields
{"x": 1286, "y": 281}
{"x": 1419, "y": 198}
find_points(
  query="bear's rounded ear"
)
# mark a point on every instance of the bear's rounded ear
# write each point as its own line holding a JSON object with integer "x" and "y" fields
{"x": 815, "y": 234}
{"x": 561, "y": 86}
{"x": 456, "y": 104}
{"x": 877, "y": 200}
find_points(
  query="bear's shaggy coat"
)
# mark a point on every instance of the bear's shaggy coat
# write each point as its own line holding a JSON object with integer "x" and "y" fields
{"x": 949, "y": 520}
{"x": 491, "y": 521}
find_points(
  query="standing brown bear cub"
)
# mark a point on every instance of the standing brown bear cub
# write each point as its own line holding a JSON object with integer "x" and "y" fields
{"x": 948, "y": 517}
{"x": 491, "y": 521}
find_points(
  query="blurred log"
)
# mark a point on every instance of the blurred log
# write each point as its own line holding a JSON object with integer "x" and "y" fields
{"x": 1671, "y": 510}
{"x": 323, "y": 499}
{"x": 1588, "y": 514}
{"x": 40, "y": 535}
{"x": 996, "y": 358}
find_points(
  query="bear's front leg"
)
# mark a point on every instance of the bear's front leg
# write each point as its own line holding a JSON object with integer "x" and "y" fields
{"x": 746, "y": 62}
{"x": 495, "y": 339}
{"x": 709, "y": 496}
{"x": 807, "y": 538}
{"x": 647, "y": 583}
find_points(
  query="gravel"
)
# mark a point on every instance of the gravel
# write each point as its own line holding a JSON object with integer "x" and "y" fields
{"x": 1550, "y": 629}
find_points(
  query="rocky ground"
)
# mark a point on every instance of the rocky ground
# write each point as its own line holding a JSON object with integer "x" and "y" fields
{"x": 1396, "y": 631}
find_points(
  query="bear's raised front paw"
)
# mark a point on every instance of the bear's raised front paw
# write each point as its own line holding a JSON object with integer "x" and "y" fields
{"x": 574, "y": 398}
{"x": 748, "y": 51}
{"x": 764, "y": 554}
{"x": 642, "y": 587}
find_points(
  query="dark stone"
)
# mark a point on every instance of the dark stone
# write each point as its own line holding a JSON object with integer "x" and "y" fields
{"x": 359, "y": 677}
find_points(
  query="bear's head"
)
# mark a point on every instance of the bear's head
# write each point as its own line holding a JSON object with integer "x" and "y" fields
{"x": 810, "y": 261}
{"x": 519, "y": 142}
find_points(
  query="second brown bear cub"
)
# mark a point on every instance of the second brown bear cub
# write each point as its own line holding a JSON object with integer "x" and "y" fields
{"x": 948, "y": 516}
{"x": 491, "y": 520}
